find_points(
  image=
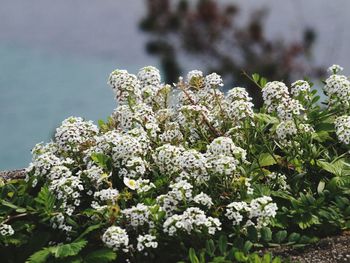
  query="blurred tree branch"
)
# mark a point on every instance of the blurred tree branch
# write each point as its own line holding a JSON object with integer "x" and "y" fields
{"x": 206, "y": 31}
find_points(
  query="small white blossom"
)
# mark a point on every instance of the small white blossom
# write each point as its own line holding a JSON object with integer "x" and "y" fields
{"x": 342, "y": 127}
{"x": 192, "y": 219}
{"x": 6, "y": 230}
{"x": 116, "y": 238}
{"x": 334, "y": 69}
{"x": 203, "y": 199}
{"x": 146, "y": 241}
{"x": 273, "y": 93}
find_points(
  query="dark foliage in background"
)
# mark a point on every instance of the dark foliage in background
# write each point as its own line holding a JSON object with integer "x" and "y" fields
{"x": 183, "y": 32}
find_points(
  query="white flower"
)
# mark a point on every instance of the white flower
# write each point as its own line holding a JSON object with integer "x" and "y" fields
{"x": 6, "y": 230}
{"x": 225, "y": 146}
{"x": 300, "y": 87}
{"x": 125, "y": 86}
{"x": 273, "y": 93}
{"x": 334, "y": 69}
{"x": 131, "y": 183}
{"x": 213, "y": 80}
{"x": 137, "y": 215}
{"x": 203, "y": 199}
{"x": 146, "y": 241}
{"x": 109, "y": 194}
{"x": 342, "y": 127}
{"x": 116, "y": 238}
{"x": 192, "y": 219}
{"x": 74, "y": 132}
{"x": 288, "y": 108}
{"x": 194, "y": 75}
{"x": 338, "y": 89}
{"x": 257, "y": 213}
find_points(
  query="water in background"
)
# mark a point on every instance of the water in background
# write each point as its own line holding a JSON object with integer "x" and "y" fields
{"x": 39, "y": 90}
{"x": 55, "y": 57}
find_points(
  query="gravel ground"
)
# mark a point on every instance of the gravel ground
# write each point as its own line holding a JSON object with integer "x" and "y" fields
{"x": 14, "y": 174}
{"x": 328, "y": 250}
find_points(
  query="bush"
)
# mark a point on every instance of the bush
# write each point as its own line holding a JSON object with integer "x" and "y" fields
{"x": 185, "y": 173}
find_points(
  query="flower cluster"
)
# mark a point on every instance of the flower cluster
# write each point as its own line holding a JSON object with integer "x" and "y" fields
{"x": 116, "y": 238}
{"x": 257, "y": 213}
{"x": 6, "y": 230}
{"x": 338, "y": 89}
{"x": 74, "y": 134}
{"x": 125, "y": 86}
{"x": 192, "y": 219}
{"x": 300, "y": 88}
{"x": 137, "y": 215}
{"x": 146, "y": 241}
{"x": 273, "y": 93}
{"x": 239, "y": 105}
{"x": 342, "y": 126}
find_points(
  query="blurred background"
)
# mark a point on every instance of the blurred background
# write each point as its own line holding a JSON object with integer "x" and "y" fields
{"x": 55, "y": 56}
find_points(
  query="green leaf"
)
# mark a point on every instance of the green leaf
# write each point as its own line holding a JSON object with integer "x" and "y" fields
{"x": 247, "y": 246}
{"x": 337, "y": 168}
{"x": 267, "y": 258}
{"x": 101, "y": 256}
{"x": 266, "y": 159}
{"x": 294, "y": 237}
{"x": 100, "y": 159}
{"x": 210, "y": 247}
{"x": 266, "y": 118}
{"x": 252, "y": 233}
{"x": 266, "y": 234}
{"x": 321, "y": 186}
{"x": 222, "y": 244}
{"x": 192, "y": 256}
{"x": 280, "y": 236}
{"x": 240, "y": 257}
{"x": 256, "y": 77}
{"x": 71, "y": 249}
{"x": 277, "y": 260}
{"x": 45, "y": 200}
{"x": 40, "y": 256}
{"x": 263, "y": 82}
{"x": 8, "y": 204}
{"x": 87, "y": 231}
{"x": 325, "y": 126}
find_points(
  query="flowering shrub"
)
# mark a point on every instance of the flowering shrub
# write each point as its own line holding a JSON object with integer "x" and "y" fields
{"x": 185, "y": 166}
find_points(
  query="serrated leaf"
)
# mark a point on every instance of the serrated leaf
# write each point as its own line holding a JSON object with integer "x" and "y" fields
{"x": 40, "y": 256}
{"x": 71, "y": 249}
{"x": 101, "y": 256}
{"x": 45, "y": 200}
